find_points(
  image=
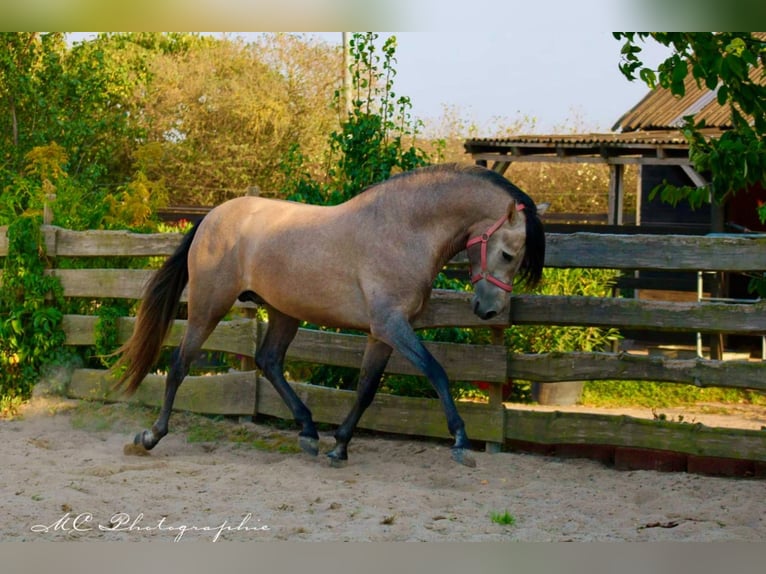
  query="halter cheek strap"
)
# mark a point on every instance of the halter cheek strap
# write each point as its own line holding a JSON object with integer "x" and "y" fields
{"x": 483, "y": 239}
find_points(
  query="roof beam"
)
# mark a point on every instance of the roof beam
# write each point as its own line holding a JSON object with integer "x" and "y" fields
{"x": 612, "y": 160}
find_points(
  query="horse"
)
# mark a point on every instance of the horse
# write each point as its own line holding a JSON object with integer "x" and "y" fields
{"x": 366, "y": 264}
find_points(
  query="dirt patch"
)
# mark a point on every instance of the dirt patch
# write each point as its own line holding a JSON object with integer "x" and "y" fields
{"x": 66, "y": 477}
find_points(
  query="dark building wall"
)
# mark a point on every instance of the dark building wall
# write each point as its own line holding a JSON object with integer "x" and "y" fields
{"x": 742, "y": 209}
{"x": 680, "y": 218}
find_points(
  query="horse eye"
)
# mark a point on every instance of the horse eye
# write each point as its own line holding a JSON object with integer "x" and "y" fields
{"x": 507, "y": 256}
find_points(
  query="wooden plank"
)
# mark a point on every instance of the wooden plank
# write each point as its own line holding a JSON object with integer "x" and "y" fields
{"x": 666, "y": 252}
{"x": 114, "y": 243}
{"x": 452, "y": 309}
{"x": 387, "y": 413}
{"x": 235, "y": 394}
{"x": 658, "y": 252}
{"x": 103, "y": 283}
{"x": 225, "y": 394}
{"x": 595, "y": 429}
{"x": 461, "y": 362}
{"x": 235, "y": 336}
{"x": 555, "y": 367}
{"x": 638, "y": 314}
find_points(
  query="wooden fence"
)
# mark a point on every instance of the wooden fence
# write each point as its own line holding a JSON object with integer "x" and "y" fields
{"x": 246, "y": 393}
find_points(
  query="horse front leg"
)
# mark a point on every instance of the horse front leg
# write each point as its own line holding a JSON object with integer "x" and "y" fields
{"x": 376, "y": 355}
{"x": 398, "y": 333}
{"x": 270, "y": 359}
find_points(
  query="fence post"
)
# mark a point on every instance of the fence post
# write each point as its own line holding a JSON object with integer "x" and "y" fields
{"x": 258, "y": 334}
{"x": 50, "y": 198}
{"x": 247, "y": 362}
{"x": 50, "y": 235}
{"x": 495, "y": 392}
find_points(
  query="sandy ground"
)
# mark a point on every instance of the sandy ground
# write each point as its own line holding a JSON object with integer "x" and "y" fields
{"x": 65, "y": 477}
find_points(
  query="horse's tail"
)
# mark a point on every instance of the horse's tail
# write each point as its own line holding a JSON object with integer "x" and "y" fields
{"x": 156, "y": 313}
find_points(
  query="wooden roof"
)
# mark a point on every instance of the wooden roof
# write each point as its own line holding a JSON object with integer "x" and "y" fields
{"x": 661, "y": 110}
{"x": 648, "y": 133}
{"x": 655, "y": 147}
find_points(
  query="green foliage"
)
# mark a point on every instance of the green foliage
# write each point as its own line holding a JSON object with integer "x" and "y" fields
{"x": 221, "y": 112}
{"x": 66, "y": 125}
{"x": 656, "y": 395}
{"x": 107, "y": 332}
{"x": 503, "y": 518}
{"x": 30, "y": 322}
{"x": 724, "y": 62}
{"x": 375, "y": 140}
{"x": 543, "y": 339}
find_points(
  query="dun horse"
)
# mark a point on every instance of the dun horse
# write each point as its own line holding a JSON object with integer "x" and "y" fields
{"x": 367, "y": 264}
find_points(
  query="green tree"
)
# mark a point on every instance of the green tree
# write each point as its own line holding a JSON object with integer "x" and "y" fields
{"x": 377, "y": 136}
{"x": 30, "y": 321}
{"x": 72, "y": 104}
{"x": 733, "y": 64}
{"x": 224, "y": 112}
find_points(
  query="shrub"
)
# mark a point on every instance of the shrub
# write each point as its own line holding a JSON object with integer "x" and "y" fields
{"x": 30, "y": 319}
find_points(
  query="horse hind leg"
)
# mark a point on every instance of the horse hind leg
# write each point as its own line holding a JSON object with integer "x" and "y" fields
{"x": 376, "y": 356}
{"x": 270, "y": 359}
{"x": 179, "y": 368}
{"x": 204, "y": 315}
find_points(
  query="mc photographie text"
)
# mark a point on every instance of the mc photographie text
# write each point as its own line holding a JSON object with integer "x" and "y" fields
{"x": 124, "y": 522}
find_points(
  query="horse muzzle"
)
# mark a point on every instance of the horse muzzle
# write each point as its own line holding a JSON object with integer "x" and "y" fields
{"x": 489, "y": 303}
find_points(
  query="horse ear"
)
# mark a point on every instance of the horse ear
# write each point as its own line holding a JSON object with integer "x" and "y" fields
{"x": 513, "y": 208}
{"x": 542, "y": 207}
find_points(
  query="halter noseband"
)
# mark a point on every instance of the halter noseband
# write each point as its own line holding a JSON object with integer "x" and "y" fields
{"x": 484, "y": 239}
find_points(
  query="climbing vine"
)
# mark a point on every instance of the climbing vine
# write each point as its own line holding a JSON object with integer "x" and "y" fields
{"x": 376, "y": 137}
{"x": 106, "y": 331}
{"x": 31, "y": 333}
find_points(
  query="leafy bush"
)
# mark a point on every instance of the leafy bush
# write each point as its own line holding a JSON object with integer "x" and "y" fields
{"x": 544, "y": 338}
{"x": 655, "y": 395}
{"x": 30, "y": 322}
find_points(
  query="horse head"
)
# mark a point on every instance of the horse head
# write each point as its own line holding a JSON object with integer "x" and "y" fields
{"x": 499, "y": 251}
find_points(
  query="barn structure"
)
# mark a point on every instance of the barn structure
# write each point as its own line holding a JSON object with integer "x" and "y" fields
{"x": 648, "y": 135}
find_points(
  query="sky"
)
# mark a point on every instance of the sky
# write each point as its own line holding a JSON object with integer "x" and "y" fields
{"x": 561, "y": 77}
{"x": 552, "y": 80}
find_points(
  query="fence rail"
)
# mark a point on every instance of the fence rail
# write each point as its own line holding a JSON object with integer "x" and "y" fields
{"x": 596, "y": 250}
{"x": 244, "y": 392}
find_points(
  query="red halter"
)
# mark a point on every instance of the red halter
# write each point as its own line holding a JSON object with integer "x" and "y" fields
{"x": 483, "y": 239}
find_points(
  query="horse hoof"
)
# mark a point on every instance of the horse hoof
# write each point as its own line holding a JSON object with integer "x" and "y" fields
{"x": 309, "y": 445}
{"x": 336, "y": 461}
{"x": 462, "y": 456}
{"x": 145, "y": 440}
